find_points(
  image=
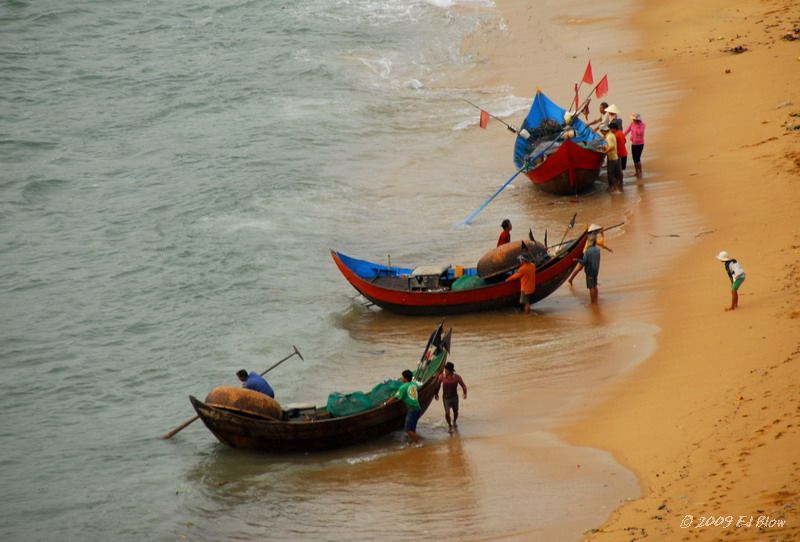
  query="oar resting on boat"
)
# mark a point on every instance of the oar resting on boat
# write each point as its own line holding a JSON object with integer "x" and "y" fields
{"x": 241, "y": 420}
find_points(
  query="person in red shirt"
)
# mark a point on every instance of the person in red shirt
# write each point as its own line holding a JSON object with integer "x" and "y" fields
{"x": 527, "y": 280}
{"x": 622, "y": 143}
{"x": 449, "y": 382}
{"x": 505, "y": 235}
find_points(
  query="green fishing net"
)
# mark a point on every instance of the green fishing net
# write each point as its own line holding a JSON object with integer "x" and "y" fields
{"x": 467, "y": 282}
{"x": 347, "y": 404}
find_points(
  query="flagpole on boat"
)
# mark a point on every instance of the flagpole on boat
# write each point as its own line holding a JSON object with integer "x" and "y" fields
{"x": 603, "y": 81}
{"x": 522, "y": 133}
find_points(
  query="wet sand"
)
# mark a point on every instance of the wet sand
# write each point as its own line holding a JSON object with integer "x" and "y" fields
{"x": 709, "y": 421}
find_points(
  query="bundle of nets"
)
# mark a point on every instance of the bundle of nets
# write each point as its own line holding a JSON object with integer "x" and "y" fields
{"x": 347, "y": 404}
{"x": 547, "y": 128}
{"x": 467, "y": 282}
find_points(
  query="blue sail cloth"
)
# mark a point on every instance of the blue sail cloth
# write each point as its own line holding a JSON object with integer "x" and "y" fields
{"x": 543, "y": 109}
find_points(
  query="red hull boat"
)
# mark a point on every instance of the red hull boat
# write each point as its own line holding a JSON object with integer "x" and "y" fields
{"x": 558, "y": 165}
{"x": 431, "y": 291}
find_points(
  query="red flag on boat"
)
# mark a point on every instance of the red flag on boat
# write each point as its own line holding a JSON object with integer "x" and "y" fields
{"x": 587, "y": 75}
{"x": 586, "y": 109}
{"x": 602, "y": 87}
{"x": 484, "y": 119}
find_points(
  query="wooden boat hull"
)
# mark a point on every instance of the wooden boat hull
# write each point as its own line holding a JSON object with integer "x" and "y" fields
{"x": 572, "y": 169}
{"x": 555, "y": 165}
{"x": 390, "y": 294}
{"x": 241, "y": 430}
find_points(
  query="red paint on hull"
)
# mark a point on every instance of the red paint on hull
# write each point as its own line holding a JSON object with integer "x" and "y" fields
{"x": 502, "y": 294}
{"x": 572, "y": 169}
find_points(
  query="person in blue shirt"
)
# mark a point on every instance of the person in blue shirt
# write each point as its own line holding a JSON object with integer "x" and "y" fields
{"x": 255, "y": 382}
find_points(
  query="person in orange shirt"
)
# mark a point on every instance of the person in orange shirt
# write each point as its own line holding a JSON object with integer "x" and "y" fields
{"x": 527, "y": 280}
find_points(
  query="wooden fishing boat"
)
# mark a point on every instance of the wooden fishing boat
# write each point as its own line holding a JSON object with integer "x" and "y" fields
{"x": 310, "y": 428}
{"x": 555, "y": 164}
{"x": 431, "y": 290}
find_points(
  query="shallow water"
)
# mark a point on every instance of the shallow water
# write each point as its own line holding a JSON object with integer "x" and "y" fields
{"x": 173, "y": 178}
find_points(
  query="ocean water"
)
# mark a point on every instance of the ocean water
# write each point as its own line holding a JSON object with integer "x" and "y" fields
{"x": 172, "y": 177}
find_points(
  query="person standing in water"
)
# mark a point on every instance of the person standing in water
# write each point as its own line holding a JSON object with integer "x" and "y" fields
{"x": 449, "y": 382}
{"x": 409, "y": 394}
{"x": 636, "y": 129}
{"x": 599, "y": 240}
{"x": 591, "y": 266}
{"x": 527, "y": 281}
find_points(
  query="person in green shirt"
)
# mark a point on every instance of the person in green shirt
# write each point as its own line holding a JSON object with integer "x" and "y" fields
{"x": 409, "y": 394}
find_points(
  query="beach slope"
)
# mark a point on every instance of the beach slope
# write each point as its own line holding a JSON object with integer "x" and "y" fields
{"x": 710, "y": 422}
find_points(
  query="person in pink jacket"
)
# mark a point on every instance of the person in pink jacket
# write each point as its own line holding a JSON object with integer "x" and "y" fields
{"x": 636, "y": 131}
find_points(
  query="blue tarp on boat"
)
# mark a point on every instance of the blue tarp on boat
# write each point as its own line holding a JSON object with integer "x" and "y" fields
{"x": 542, "y": 109}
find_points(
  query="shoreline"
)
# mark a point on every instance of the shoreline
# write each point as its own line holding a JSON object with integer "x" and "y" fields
{"x": 709, "y": 422}
{"x": 625, "y": 322}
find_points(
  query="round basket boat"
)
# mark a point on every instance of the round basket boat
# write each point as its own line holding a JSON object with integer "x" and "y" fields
{"x": 505, "y": 258}
{"x": 245, "y": 401}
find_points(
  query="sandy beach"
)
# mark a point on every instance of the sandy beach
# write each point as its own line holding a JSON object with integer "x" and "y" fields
{"x": 709, "y": 422}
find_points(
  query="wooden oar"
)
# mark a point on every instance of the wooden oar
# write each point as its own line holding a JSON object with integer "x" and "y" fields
{"x": 569, "y": 227}
{"x": 525, "y": 164}
{"x": 594, "y": 232}
{"x": 188, "y": 422}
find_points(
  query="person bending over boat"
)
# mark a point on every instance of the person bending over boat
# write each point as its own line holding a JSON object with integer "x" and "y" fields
{"x": 409, "y": 394}
{"x": 449, "y": 382}
{"x": 527, "y": 281}
{"x": 255, "y": 382}
{"x": 603, "y": 115}
{"x": 505, "y": 235}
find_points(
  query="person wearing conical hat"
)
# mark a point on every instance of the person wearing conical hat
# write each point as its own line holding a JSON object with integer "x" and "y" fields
{"x": 591, "y": 267}
{"x": 735, "y": 274}
{"x": 596, "y": 231}
{"x": 614, "y": 114}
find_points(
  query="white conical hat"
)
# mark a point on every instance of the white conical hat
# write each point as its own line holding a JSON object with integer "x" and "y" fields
{"x": 723, "y": 256}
